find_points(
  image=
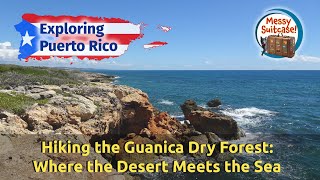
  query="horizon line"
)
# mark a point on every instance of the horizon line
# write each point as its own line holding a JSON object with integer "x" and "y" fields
{"x": 91, "y": 68}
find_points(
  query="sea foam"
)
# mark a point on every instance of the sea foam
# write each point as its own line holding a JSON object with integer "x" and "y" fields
{"x": 249, "y": 115}
{"x": 166, "y": 102}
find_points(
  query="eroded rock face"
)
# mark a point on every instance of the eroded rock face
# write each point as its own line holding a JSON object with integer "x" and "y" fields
{"x": 82, "y": 109}
{"x": 7, "y": 129}
{"x": 135, "y": 157}
{"x": 201, "y": 139}
{"x": 136, "y": 113}
{"x": 78, "y": 108}
{"x": 188, "y": 106}
{"x": 212, "y": 138}
{"x": 13, "y": 120}
{"x": 206, "y": 121}
{"x": 163, "y": 123}
{"x": 39, "y": 91}
{"x": 13, "y": 125}
{"x": 119, "y": 114}
{"x": 46, "y": 117}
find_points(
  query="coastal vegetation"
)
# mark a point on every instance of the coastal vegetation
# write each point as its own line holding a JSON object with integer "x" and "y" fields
{"x": 13, "y": 76}
{"x": 17, "y": 103}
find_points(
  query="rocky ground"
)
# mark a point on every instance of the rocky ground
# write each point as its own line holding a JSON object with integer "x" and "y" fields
{"x": 41, "y": 103}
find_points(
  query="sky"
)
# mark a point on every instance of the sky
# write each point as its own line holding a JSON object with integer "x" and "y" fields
{"x": 205, "y": 35}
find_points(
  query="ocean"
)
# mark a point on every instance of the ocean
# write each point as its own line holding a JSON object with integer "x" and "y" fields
{"x": 278, "y": 107}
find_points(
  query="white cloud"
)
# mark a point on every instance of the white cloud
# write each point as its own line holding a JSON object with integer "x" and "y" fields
{"x": 75, "y": 62}
{"x": 5, "y": 45}
{"x": 207, "y": 62}
{"x": 7, "y": 52}
{"x": 305, "y": 58}
{"x": 298, "y": 58}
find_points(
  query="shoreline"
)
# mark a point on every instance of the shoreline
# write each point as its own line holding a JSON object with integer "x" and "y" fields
{"x": 49, "y": 102}
{"x": 117, "y": 113}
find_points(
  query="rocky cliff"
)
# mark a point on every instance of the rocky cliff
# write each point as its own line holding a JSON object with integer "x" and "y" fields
{"x": 86, "y": 107}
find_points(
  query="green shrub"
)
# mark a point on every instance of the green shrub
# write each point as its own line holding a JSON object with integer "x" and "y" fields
{"x": 17, "y": 103}
{"x": 23, "y": 70}
{"x": 13, "y": 76}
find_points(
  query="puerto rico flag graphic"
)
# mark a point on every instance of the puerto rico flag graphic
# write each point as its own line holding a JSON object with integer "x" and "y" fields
{"x": 95, "y": 38}
{"x": 154, "y": 44}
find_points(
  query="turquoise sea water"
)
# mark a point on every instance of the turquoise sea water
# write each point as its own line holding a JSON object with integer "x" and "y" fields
{"x": 279, "y": 107}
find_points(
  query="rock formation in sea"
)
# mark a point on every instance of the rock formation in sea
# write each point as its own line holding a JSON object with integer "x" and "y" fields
{"x": 205, "y": 120}
{"x": 214, "y": 103}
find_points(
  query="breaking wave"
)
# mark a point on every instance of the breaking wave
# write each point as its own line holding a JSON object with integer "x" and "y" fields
{"x": 249, "y": 116}
{"x": 166, "y": 102}
{"x": 203, "y": 106}
{"x": 179, "y": 117}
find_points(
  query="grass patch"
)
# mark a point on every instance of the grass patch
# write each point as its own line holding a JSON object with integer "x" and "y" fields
{"x": 17, "y": 103}
{"x": 42, "y": 101}
{"x": 13, "y": 76}
{"x": 24, "y": 70}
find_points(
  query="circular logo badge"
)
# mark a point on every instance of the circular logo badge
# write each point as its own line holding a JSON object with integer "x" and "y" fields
{"x": 279, "y": 33}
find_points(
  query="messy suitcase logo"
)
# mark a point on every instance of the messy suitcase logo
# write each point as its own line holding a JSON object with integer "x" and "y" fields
{"x": 279, "y": 33}
{"x": 43, "y": 37}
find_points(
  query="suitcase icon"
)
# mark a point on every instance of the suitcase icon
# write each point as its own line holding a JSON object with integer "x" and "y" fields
{"x": 281, "y": 45}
